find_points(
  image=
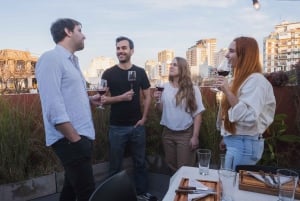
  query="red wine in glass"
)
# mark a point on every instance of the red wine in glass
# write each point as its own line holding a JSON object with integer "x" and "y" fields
{"x": 223, "y": 73}
{"x": 102, "y": 86}
{"x": 101, "y": 91}
{"x": 160, "y": 88}
{"x": 131, "y": 78}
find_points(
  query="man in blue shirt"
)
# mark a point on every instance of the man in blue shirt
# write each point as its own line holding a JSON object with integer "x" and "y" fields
{"x": 66, "y": 109}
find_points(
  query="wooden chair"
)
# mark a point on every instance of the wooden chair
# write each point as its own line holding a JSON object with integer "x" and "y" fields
{"x": 115, "y": 188}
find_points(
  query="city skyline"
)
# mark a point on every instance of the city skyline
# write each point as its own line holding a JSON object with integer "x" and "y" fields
{"x": 154, "y": 25}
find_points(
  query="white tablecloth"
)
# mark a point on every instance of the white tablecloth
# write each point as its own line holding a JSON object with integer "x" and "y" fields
{"x": 192, "y": 172}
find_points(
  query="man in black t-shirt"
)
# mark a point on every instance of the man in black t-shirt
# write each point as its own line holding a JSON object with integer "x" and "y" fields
{"x": 127, "y": 83}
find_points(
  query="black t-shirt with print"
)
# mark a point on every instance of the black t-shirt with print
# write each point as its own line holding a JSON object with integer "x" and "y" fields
{"x": 125, "y": 113}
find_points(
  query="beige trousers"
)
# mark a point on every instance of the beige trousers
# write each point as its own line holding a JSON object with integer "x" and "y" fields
{"x": 177, "y": 149}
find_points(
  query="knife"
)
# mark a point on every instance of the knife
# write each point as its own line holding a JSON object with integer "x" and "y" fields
{"x": 193, "y": 188}
{"x": 209, "y": 191}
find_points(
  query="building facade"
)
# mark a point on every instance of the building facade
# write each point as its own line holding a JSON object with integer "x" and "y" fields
{"x": 97, "y": 67}
{"x": 17, "y": 71}
{"x": 281, "y": 49}
{"x": 165, "y": 58}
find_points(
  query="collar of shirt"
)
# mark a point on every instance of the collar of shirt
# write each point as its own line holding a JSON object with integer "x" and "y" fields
{"x": 73, "y": 58}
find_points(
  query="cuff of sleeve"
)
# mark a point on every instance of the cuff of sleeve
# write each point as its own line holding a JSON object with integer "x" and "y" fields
{"x": 60, "y": 120}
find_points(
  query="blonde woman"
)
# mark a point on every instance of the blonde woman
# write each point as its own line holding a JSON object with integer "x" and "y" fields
{"x": 248, "y": 105}
{"x": 181, "y": 105}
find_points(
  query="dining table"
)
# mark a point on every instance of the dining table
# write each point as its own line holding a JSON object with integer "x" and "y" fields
{"x": 193, "y": 172}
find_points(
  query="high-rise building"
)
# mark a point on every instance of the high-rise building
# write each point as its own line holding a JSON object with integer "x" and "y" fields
{"x": 165, "y": 58}
{"x": 203, "y": 52}
{"x": 282, "y": 47}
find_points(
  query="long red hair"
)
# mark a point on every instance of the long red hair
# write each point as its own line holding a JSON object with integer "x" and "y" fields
{"x": 247, "y": 63}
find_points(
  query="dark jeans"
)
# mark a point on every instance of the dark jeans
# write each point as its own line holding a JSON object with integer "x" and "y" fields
{"x": 119, "y": 137}
{"x": 76, "y": 158}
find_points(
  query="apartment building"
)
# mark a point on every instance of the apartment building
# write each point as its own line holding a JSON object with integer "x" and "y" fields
{"x": 17, "y": 71}
{"x": 281, "y": 49}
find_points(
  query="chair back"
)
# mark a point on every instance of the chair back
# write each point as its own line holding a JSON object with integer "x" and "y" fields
{"x": 115, "y": 188}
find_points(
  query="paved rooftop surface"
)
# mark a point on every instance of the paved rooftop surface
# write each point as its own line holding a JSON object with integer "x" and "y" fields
{"x": 158, "y": 186}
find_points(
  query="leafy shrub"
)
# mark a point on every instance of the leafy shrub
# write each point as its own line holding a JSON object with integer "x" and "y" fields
{"x": 278, "y": 79}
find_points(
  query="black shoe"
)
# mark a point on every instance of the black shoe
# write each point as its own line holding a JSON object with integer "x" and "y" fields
{"x": 146, "y": 197}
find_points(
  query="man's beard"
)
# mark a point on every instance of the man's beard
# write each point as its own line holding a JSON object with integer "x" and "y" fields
{"x": 124, "y": 60}
{"x": 80, "y": 46}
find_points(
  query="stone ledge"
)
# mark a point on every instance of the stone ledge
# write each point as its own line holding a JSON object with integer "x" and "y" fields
{"x": 50, "y": 184}
{"x": 28, "y": 189}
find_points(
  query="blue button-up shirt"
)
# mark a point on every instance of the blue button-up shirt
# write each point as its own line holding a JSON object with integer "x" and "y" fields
{"x": 63, "y": 94}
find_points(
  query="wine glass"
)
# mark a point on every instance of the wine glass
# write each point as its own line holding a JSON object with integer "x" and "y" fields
{"x": 131, "y": 77}
{"x": 159, "y": 84}
{"x": 209, "y": 81}
{"x": 223, "y": 69}
{"x": 102, "y": 88}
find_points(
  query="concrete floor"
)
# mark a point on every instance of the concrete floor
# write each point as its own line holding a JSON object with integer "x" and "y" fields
{"x": 158, "y": 186}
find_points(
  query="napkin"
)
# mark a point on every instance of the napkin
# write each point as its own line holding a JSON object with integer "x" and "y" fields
{"x": 260, "y": 178}
{"x": 198, "y": 185}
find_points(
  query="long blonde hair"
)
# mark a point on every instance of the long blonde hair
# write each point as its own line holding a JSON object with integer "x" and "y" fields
{"x": 186, "y": 93}
{"x": 247, "y": 63}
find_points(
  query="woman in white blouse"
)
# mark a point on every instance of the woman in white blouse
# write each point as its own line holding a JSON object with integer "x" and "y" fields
{"x": 181, "y": 105}
{"x": 248, "y": 105}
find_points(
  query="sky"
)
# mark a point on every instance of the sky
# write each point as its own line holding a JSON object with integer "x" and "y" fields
{"x": 153, "y": 25}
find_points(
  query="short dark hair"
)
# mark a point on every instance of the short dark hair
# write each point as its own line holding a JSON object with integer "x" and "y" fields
{"x": 131, "y": 45}
{"x": 58, "y": 28}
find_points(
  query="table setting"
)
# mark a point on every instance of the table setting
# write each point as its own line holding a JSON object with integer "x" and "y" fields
{"x": 204, "y": 184}
{"x": 191, "y": 189}
{"x": 281, "y": 183}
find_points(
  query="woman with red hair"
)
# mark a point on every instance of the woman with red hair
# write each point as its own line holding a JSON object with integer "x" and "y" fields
{"x": 247, "y": 107}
